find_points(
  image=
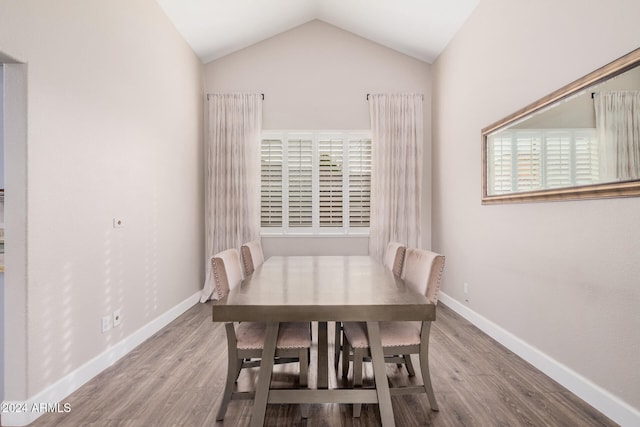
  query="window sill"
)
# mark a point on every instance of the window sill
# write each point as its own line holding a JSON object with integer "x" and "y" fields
{"x": 310, "y": 234}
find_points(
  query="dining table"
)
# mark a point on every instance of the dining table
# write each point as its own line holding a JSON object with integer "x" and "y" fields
{"x": 322, "y": 289}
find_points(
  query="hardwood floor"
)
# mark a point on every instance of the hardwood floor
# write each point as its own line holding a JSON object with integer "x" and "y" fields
{"x": 176, "y": 378}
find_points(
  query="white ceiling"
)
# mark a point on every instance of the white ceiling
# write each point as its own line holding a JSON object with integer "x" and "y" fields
{"x": 419, "y": 28}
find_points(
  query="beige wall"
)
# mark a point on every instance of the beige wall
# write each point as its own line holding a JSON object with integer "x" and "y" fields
{"x": 562, "y": 276}
{"x": 114, "y": 130}
{"x": 316, "y": 77}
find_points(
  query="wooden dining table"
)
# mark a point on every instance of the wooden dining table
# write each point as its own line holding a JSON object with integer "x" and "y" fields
{"x": 322, "y": 289}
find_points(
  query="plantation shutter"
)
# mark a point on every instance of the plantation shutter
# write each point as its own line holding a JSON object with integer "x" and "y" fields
{"x": 316, "y": 182}
{"x": 359, "y": 182}
{"x": 300, "y": 171}
{"x": 271, "y": 162}
{"x": 330, "y": 183}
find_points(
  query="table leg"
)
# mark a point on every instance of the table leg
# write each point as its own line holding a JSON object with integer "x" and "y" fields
{"x": 323, "y": 356}
{"x": 264, "y": 375}
{"x": 382, "y": 387}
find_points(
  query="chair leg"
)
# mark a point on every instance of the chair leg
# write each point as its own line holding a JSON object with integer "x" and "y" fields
{"x": 337, "y": 345}
{"x": 240, "y": 364}
{"x": 233, "y": 367}
{"x": 358, "y": 356}
{"x": 409, "y": 365}
{"x": 346, "y": 349}
{"x": 424, "y": 366}
{"x": 304, "y": 375}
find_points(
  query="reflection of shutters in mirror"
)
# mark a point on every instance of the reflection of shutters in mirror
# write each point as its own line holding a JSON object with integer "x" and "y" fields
{"x": 558, "y": 156}
{"x": 300, "y": 172}
{"x": 528, "y": 150}
{"x": 587, "y": 162}
{"x": 501, "y": 164}
{"x": 330, "y": 156}
{"x": 529, "y": 160}
{"x": 571, "y": 158}
{"x": 271, "y": 183}
{"x": 359, "y": 182}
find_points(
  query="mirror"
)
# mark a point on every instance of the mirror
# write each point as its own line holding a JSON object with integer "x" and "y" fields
{"x": 580, "y": 142}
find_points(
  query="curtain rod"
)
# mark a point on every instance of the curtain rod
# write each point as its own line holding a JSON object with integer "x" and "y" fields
{"x": 262, "y": 95}
{"x": 370, "y": 94}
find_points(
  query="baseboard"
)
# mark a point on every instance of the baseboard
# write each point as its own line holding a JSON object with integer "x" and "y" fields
{"x": 605, "y": 402}
{"x": 25, "y": 412}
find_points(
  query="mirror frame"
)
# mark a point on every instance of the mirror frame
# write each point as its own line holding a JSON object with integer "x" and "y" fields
{"x": 596, "y": 191}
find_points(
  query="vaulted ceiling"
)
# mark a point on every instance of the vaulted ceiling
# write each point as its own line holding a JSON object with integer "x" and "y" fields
{"x": 418, "y": 28}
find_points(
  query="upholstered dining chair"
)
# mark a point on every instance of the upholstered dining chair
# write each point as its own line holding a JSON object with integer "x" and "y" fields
{"x": 422, "y": 271}
{"x": 245, "y": 340}
{"x": 394, "y": 257}
{"x": 393, "y": 260}
{"x": 252, "y": 256}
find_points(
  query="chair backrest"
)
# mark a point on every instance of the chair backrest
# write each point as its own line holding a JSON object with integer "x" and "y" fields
{"x": 394, "y": 257}
{"x": 422, "y": 271}
{"x": 252, "y": 256}
{"x": 227, "y": 271}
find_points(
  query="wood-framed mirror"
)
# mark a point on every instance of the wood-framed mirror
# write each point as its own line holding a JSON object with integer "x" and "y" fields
{"x": 579, "y": 142}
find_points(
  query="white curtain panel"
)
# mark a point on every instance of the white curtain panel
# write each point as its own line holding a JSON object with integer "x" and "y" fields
{"x": 397, "y": 138}
{"x": 618, "y": 124}
{"x": 232, "y": 181}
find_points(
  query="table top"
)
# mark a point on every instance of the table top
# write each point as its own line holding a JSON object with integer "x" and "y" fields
{"x": 322, "y": 288}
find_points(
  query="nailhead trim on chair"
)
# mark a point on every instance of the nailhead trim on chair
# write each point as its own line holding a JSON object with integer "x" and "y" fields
{"x": 247, "y": 260}
{"x": 220, "y": 276}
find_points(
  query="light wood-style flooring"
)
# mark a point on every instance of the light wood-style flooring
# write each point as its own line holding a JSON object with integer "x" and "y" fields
{"x": 176, "y": 378}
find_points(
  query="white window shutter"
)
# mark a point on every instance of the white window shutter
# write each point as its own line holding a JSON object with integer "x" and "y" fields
{"x": 315, "y": 182}
{"x": 359, "y": 182}
{"x": 330, "y": 182}
{"x": 271, "y": 169}
{"x": 300, "y": 173}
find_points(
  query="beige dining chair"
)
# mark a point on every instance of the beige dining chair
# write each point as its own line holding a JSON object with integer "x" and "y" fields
{"x": 422, "y": 271}
{"x": 394, "y": 257}
{"x": 252, "y": 256}
{"x": 245, "y": 340}
{"x": 393, "y": 260}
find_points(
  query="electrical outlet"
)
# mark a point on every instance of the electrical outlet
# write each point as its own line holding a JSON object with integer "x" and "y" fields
{"x": 118, "y": 223}
{"x": 466, "y": 288}
{"x": 117, "y": 318}
{"x": 107, "y": 323}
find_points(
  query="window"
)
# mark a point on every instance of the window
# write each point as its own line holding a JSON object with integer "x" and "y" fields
{"x": 529, "y": 160}
{"x": 315, "y": 182}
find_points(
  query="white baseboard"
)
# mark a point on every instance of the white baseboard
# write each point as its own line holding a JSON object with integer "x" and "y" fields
{"x": 605, "y": 402}
{"x": 25, "y": 412}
